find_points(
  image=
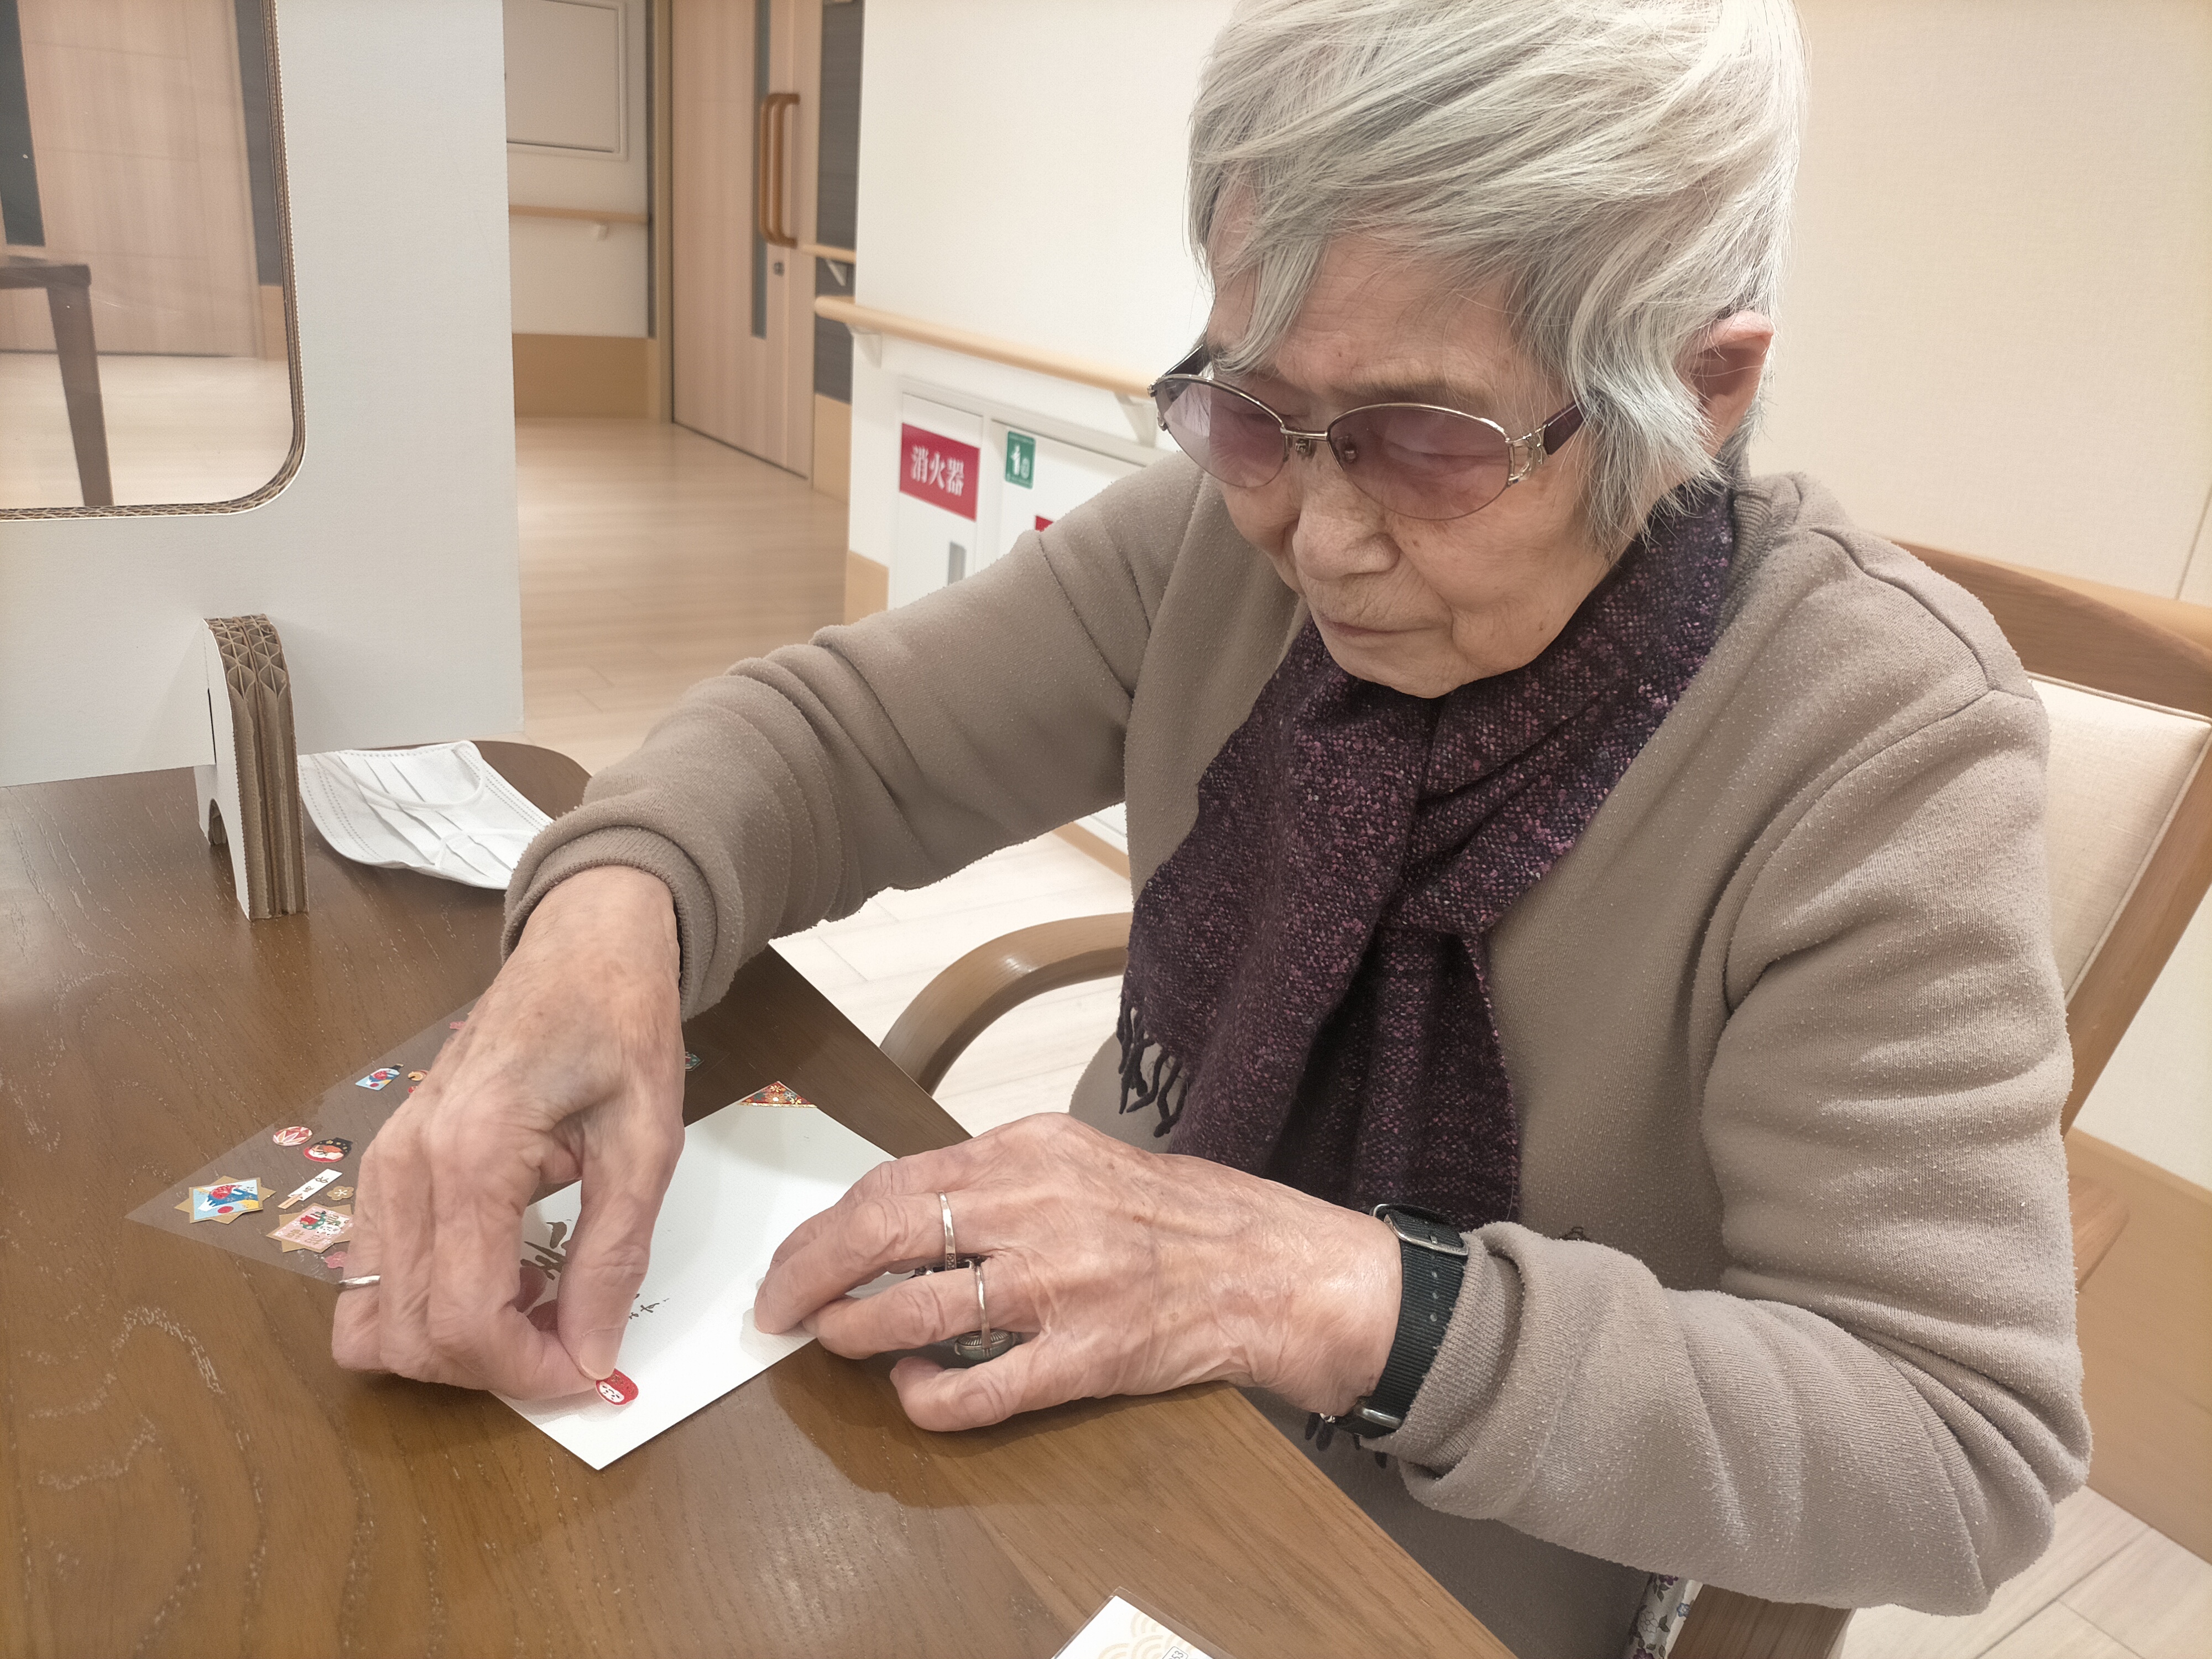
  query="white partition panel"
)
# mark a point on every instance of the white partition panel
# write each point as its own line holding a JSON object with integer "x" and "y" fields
{"x": 388, "y": 563}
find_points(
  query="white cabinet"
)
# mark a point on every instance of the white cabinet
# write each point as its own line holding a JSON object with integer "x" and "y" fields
{"x": 971, "y": 481}
{"x": 933, "y": 528}
{"x": 1042, "y": 479}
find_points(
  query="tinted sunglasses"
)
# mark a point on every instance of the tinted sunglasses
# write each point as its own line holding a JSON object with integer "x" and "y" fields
{"x": 1417, "y": 460}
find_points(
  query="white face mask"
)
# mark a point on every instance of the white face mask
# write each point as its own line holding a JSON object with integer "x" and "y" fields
{"x": 441, "y": 810}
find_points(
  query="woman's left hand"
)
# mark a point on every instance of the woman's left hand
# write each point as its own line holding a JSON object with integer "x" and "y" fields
{"x": 1137, "y": 1272}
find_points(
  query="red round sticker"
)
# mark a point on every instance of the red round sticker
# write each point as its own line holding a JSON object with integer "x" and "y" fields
{"x": 298, "y": 1135}
{"x": 617, "y": 1389}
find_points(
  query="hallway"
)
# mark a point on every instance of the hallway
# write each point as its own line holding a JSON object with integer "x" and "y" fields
{"x": 653, "y": 557}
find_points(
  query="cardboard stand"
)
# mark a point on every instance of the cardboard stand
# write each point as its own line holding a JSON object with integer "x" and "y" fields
{"x": 250, "y": 798}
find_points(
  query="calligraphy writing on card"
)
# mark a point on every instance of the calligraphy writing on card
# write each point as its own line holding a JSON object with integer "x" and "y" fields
{"x": 548, "y": 1257}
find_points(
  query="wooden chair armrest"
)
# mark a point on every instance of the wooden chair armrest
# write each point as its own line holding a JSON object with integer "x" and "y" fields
{"x": 2101, "y": 1216}
{"x": 953, "y": 1009}
{"x": 1724, "y": 1625}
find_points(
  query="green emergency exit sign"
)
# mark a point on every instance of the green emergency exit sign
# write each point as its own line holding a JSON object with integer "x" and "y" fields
{"x": 1021, "y": 460}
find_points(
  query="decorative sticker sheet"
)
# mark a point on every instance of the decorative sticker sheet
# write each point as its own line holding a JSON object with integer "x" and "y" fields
{"x": 306, "y": 1161}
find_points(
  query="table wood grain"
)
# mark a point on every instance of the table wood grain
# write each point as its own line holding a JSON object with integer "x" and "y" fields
{"x": 184, "y": 1471}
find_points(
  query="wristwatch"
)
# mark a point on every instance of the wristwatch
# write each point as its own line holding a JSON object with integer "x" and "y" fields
{"x": 1433, "y": 1257}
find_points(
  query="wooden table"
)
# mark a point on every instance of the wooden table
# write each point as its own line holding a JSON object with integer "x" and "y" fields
{"x": 183, "y": 1470}
{"x": 69, "y": 302}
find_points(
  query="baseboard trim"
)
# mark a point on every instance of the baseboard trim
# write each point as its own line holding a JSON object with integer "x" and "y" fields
{"x": 2146, "y": 1346}
{"x": 583, "y": 375}
{"x": 868, "y": 586}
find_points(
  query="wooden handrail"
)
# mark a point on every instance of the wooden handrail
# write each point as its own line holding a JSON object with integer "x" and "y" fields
{"x": 589, "y": 216}
{"x": 1084, "y": 371}
{"x": 843, "y": 256}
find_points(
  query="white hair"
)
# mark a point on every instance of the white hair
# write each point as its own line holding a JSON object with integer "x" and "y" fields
{"x": 1622, "y": 169}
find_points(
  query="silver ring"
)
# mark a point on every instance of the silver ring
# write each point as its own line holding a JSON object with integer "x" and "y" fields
{"x": 983, "y": 1343}
{"x": 360, "y": 1283}
{"x": 945, "y": 1214}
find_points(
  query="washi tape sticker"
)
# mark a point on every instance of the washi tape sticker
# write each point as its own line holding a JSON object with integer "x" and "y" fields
{"x": 377, "y": 1079}
{"x": 329, "y": 1151}
{"x": 776, "y": 1094}
{"x": 315, "y": 1228}
{"x": 690, "y": 1060}
{"x": 335, "y": 1260}
{"x": 298, "y": 1135}
{"x": 307, "y": 1188}
{"x": 223, "y": 1200}
{"x": 617, "y": 1389}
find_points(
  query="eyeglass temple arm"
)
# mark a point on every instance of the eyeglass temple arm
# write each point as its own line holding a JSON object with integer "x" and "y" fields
{"x": 1532, "y": 451}
{"x": 1196, "y": 361}
{"x": 1190, "y": 365}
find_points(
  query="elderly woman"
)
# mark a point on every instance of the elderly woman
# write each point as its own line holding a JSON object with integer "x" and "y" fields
{"x": 1590, "y": 1031}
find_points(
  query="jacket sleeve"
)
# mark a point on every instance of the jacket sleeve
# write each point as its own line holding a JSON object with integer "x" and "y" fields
{"x": 1882, "y": 1400}
{"x": 889, "y": 753}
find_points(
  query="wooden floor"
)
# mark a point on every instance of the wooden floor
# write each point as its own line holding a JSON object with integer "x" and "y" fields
{"x": 652, "y": 557}
{"x": 2108, "y": 1588}
{"x": 179, "y": 430}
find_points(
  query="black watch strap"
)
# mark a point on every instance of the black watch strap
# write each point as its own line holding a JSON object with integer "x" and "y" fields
{"x": 1432, "y": 1255}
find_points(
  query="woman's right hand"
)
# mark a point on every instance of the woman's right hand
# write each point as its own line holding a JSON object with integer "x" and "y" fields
{"x": 571, "y": 1067}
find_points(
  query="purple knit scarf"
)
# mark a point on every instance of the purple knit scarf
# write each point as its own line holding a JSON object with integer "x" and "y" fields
{"x": 1307, "y": 995}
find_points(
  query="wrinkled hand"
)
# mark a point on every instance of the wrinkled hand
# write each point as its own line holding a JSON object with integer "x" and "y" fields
{"x": 570, "y": 1066}
{"x": 1138, "y": 1272}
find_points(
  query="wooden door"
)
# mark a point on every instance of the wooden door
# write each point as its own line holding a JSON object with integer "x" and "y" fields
{"x": 745, "y": 76}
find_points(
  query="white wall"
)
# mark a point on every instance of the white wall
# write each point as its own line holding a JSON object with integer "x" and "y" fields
{"x": 1997, "y": 335}
{"x": 571, "y": 277}
{"x": 1021, "y": 175}
{"x": 389, "y": 562}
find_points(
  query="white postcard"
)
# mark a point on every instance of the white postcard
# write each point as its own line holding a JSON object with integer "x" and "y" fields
{"x": 1118, "y": 1630}
{"x": 749, "y": 1173}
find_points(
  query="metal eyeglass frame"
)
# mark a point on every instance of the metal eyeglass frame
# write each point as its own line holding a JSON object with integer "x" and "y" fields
{"x": 1523, "y": 454}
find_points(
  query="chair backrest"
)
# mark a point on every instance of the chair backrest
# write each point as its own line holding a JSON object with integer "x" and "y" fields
{"x": 2130, "y": 823}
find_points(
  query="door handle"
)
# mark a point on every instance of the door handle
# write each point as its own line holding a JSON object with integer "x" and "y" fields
{"x": 771, "y": 144}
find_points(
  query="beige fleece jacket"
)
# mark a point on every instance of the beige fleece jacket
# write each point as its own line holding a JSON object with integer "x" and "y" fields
{"x": 1783, "y": 1029}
